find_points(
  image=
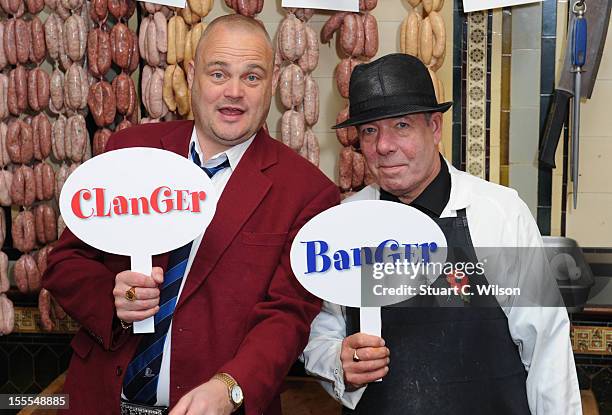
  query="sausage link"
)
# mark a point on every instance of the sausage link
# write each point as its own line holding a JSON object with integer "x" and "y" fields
{"x": 309, "y": 60}
{"x": 98, "y": 10}
{"x": 331, "y": 25}
{"x": 359, "y": 36}
{"x": 348, "y": 34}
{"x": 38, "y": 50}
{"x": 100, "y": 139}
{"x": 74, "y": 40}
{"x": 53, "y": 35}
{"x": 45, "y": 224}
{"x": 181, "y": 91}
{"x": 76, "y": 137}
{"x": 312, "y": 145}
{"x": 4, "y": 155}
{"x": 42, "y": 255}
{"x": 102, "y": 103}
{"x": 121, "y": 45}
{"x": 125, "y": 94}
{"x": 58, "y": 138}
{"x": 358, "y": 170}
{"x": 7, "y": 313}
{"x": 10, "y": 44}
{"x": 76, "y": 87}
{"x": 19, "y": 142}
{"x": 292, "y": 86}
{"x": 426, "y": 41}
{"x": 44, "y": 307}
{"x": 345, "y": 166}
{"x": 98, "y": 52}
{"x": 3, "y": 60}
{"x": 38, "y": 89}
{"x": 24, "y": 231}
{"x": 22, "y": 40}
{"x": 41, "y": 136}
{"x": 292, "y": 129}
{"x": 44, "y": 177}
{"x": 311, "y": 101}
{"x": 6, "y": 181}
{"x": 343, "y": 76}
{"x": 370, "y": 27}
{"x": 18, "y": 91}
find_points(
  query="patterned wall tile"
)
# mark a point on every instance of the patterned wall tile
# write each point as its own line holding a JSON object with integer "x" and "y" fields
{"x": 477, "y": 88}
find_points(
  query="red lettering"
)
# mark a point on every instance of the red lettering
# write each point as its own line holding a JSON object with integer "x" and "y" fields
{"x": 155, "y": 199}
{"x": 135, "y": 207}
{"x": 76, "y": 203}
{"x": 196, "y": 199}
{"x": 180, "y": 199}
{"x": 120, "y": 205}
{"x": 100, "y": 203}
{"x": 162, "y": 200}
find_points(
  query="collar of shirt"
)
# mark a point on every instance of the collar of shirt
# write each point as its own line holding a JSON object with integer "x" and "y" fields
{"x": 233, "y": 154}
{"x": 435, "y": 196}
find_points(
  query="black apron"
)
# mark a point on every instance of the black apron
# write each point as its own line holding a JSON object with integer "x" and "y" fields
{"x": 447, "y": 356}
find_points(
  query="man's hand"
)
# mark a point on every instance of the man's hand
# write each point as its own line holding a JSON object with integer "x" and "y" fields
{"x": 210, "y": 398}
{"x": 373, "y": 357}
{"x": 146, "y": 303}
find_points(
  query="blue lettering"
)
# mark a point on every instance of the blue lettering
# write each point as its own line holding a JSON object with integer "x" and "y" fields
{"x": 393, "y": 246}
{"x": 312, "y": 254}
{"x": 342, "y": 260}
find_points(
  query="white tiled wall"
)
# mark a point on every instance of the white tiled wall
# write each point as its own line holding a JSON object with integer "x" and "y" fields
{"x": 389, "y": 14}
{"x": 525, "y": 102}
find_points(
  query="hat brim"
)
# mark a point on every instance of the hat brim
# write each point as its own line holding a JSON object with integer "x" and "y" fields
{"x": 396, "y": 111}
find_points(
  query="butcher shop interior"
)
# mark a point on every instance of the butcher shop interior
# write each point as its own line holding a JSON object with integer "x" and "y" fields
{"x": 74, "y": 72}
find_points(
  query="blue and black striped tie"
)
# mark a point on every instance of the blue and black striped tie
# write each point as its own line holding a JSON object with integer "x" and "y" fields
{"x": 142, "y": 374}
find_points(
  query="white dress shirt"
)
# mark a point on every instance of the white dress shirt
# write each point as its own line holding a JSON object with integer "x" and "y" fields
{"x": 497, "y": 217}
{"x": 219, "y": 180}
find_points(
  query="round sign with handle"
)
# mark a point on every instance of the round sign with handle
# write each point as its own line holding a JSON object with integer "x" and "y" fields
{"x": 368, "y": 254}
{"x": 138, "y": 202}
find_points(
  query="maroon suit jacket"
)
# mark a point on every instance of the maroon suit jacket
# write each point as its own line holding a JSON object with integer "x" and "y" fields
{"x": 241, "y": 310}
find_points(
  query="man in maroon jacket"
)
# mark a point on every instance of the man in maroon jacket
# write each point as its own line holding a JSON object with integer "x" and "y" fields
{"x": 230, "y": 317}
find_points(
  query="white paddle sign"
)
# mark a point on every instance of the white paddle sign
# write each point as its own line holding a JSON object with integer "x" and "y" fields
{"x": 348, "y": 254}
{"x": 138, "y": 202}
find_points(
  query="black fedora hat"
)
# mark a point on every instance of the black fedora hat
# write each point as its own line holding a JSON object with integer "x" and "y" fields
{"x": 391, "y": 86}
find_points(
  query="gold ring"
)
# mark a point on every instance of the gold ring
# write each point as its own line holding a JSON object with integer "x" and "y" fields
{"x": 130, "y": 294}
{"x": 355, "y": 357}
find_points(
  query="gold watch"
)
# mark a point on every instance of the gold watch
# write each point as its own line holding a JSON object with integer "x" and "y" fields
{"x": 235, "y": 391}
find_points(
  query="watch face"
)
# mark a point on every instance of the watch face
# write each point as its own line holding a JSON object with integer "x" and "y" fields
{"x": 237, "y": 394}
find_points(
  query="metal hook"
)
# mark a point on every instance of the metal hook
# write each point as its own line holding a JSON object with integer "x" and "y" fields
{"x": 579, "y": 7}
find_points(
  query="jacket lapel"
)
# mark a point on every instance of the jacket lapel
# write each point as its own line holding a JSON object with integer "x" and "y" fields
{"x": 243, "y": 193}
{"x": 176, "y": 141}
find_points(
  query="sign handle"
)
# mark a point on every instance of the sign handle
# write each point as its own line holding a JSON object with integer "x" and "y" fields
{"x": 144, "y": 265}
{"x": 370, "y": 323}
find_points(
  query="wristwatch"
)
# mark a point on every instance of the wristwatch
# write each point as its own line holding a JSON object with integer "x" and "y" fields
{"x": 235, "y": 391}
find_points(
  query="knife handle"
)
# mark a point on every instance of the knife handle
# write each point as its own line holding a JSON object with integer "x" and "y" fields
{"x": 554, "y": 124}
{"x": 579, "y": 42}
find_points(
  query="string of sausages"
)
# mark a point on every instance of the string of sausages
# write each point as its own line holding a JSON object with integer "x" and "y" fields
{"x": 184, "y": 29}
{"x": 111, "y": 101}
{"x": 296, "y": 57}
{"x": 358, "y": 42}
{"x": 423, "y": 35}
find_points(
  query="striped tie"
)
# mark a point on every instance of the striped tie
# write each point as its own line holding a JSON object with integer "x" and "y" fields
{"x": 142, "y": 374}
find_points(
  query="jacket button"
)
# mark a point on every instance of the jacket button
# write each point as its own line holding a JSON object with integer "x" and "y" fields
{"x": 119, "y": 370}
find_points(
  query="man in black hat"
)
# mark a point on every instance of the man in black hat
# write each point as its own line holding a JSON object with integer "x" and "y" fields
{"x": 474, "y": 357}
